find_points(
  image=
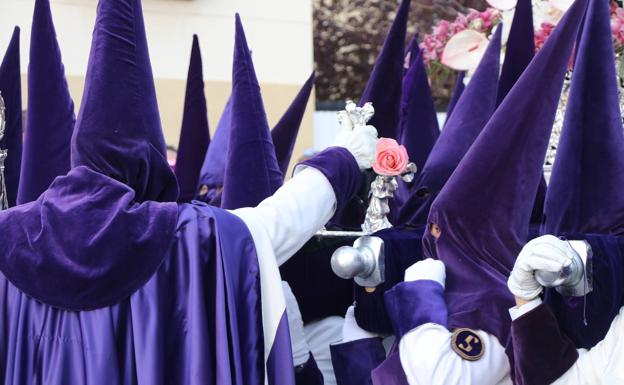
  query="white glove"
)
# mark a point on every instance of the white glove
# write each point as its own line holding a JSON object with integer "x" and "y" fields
{"x": 361, "y": 141}
{"x": 546, "y": 253}
{"x": 431, "y": 269}
{"x": 298, "y": 342}
{"x": 351, "y": 331}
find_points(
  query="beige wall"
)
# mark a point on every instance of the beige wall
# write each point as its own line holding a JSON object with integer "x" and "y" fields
{"x": 279, "y": 33}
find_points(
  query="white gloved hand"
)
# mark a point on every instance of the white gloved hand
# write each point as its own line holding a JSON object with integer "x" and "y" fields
{"x": 351, "y": 331}
{"x": 431, "y": 269}
{"x": 361, "y": 141}
{"x": 299, "y": 344}
{"x": 546, "y": 253}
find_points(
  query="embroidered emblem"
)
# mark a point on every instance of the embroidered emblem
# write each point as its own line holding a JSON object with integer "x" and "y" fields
{"x": 467, "y": 344}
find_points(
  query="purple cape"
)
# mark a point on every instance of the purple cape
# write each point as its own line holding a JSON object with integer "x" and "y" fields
{"x": 198, "y": 298}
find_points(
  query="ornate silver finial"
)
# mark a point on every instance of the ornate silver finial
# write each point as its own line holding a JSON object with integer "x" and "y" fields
{"x": 358, "y": 116}
{"x": 2, "y": 117}
{"x": 382, "y": 189}
{"x": 364, "y": 262}
{"x": 4, "y": 201}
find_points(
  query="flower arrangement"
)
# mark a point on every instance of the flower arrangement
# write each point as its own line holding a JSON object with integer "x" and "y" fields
{"x": 468, "y": 32}
{"x": 459, "y": 45}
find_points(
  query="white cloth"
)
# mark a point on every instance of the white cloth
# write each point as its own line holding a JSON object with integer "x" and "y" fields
{"x": 320, "y": 334}
{"x": 298, "y": 342}
{"x": 427, "y": 269}
{"x": 351, "y": 331}
{"x": 428, "y": 359}
{"x": 604, "y": 363}
{"x": 280, "y": 225}
{"x": 517, "y": 312}
{"x": 545, "y": 253}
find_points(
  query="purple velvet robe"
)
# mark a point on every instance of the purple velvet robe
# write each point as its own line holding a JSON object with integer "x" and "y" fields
{"x": 183, "y": 307}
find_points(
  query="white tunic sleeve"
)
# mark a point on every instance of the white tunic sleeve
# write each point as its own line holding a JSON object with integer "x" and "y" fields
{"x": 428, "y": 359}
{"x": 603, "y": 364}
{"x": 294, "y": 213}
{"x": 279, "y": 226}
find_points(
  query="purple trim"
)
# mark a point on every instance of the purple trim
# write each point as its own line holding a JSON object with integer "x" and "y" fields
{"x": 390, "y": 372}
{"x": 341, "y": 170}
{"x": 309, "y": 373}
{"x": 279, "y": 363}
{"x": 541, "y": 353}
{"x": 411, "y": 304}
{"x": 355, "y": 360}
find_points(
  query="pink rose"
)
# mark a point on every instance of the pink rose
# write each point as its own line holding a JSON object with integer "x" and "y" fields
{"x": 391, "y": 158}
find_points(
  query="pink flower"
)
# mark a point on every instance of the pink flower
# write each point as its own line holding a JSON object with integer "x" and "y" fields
{"x": 391, "y": 158}
{"x": 542, "y": 34}
{"x": 464, "y": 50}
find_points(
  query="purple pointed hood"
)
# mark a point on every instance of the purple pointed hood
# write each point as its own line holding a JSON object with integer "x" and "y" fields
{"x": 473, "y": 111}
{"x": 585, "y": 190}
{"x": 457, "y": 92}
{"x": 419, "y": 122}
{"x": 213, "y": 168}
{"x": 483, "y": 210}
{"x": 118, "y": 130}
{"x": 411, "y": 53}
{"x": 194, "y": 135}
{"x": 50, "y": 115}
{"x": 520, "y": 48}
{"x": 251, "y": 170}
{"x": 11, "y": 90}
{"x": 384, "y": 85}
{"x": 284, "y": 134}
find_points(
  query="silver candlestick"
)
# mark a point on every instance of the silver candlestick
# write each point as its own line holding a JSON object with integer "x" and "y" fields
{"x": 382, "y": 189}
{"x": 4, "y": 202}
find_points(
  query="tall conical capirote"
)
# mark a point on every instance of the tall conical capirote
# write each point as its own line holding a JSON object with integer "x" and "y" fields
{"x": 251, "y": 170}
{"x": 212, "y": 171}
{"x": 457, "y": 92}
{"x": 585, "y": 189}
{"x": 419, "y": 122}
{"x": 194, "y": 135}
{"x": 411, "y": 53}
{"x": 520, "y": 48}
{"x": 383, "y": 88}
{"x": 284, "y": 134}
{"x": 118, "y": 131}
{"x": 11, "y": 90}
{"x": 50, "y": 116}
{"x": 473, "y": 110}
{"x": 483, "y": 210}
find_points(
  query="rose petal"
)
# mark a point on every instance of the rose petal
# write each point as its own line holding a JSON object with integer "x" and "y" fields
{"x": 385, "y": 143}
{"x": 503, "y": 5}
{"x": 464, "y": 50}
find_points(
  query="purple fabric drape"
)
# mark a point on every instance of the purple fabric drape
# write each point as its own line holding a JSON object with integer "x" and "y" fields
{"x": 354, "y": 361}
{"x": 196, "y": 321}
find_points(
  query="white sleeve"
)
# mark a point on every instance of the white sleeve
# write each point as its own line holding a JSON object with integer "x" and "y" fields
{"x": 517, "y": 312}
{"x": 603, "y": 364}
{"x": 428, "y": 359}
{"x": 294, "y": 213}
